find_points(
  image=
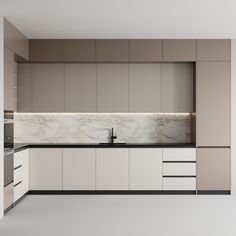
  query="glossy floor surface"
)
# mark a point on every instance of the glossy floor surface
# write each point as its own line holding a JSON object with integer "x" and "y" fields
{"x": 113, "y": 215}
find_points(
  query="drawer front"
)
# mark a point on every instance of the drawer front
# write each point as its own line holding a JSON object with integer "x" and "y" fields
{"x": 20, "y": 190}
{"x": 183, "y": 169}
{"x": 18, "y": 160}
{"x": 18, "y": 175}
{"x": 179, "y": 183}
{"x": 179, "y": 154}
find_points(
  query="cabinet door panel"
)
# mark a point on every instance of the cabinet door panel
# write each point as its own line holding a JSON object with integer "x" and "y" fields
{"x": 213, "y": 103}
{"x": 47, "y": 87}
{"x": 213, "y": 169}
{"x": 80, "y": 88}
{"x": 145, "y": 88}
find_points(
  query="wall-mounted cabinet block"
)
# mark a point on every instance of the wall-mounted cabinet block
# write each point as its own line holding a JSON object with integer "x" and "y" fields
{"x": 24, "y": 84}
{"x": 145, "y": 88}
{"x": 112, "y": 50}
{"x": 80, "y": 88}
{"x": 79, "y": 50}
{"x": 78, "y": 169}
{"x": 213, "y": 103}
{"x": 112, "y": 87}
{"x": 45, "y": 50}
{"x": 15, "y": 40}
{"x": 8, "y": 79}
{"x": 112, "y": 169}
{"x": 146, "y": 169}
{"x": 145, "y": 50}
{"x": 47, "y": 87}
{"x": 179, "y": 50}
{"x": 181, "y": 184}
{"x": 213, "y": 169}
{"x": 177, "y": 87}
{"x": 45, "y": 169}
{"x": 213, "y": 50}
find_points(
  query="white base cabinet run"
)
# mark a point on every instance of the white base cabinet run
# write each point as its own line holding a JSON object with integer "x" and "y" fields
{"x": 145, "y": 169}
{"x": 79, "y": 169}
{"x": 112, "y": 169}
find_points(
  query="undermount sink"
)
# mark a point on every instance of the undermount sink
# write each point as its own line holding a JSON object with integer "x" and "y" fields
{"x": 112, "y": 143}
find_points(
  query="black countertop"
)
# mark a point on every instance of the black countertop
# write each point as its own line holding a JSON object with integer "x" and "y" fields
{"x": 22, "y": 146}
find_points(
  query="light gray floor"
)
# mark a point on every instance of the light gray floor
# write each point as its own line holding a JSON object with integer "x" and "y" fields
{"x": 113, "y": 215}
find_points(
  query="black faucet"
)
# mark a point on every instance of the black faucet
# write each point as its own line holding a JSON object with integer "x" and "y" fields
{"x": 113, "y": 136}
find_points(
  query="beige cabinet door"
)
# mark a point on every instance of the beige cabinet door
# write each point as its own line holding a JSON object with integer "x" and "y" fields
{"x": 78, "y": 169}
{"x": 112, "y": 50}
{"x": 213, "y": 104}
{"x": 179, "y": 50}
{"x": 47, "y": 88}
{"x": 24, "y": 87}
{"x": 146, "y": 169}
{"x": 112, "y": 169}
{"x": 45, "y": 169}
{"x": 145, "y": 88}
{"x": 145, "y": 50}
{"x": 112, "y": 87}
{"x": 80, "y": 88}
{"x": 79, "y": 50}
{"x": 177, "y": 87}
{"x": 213, "y": 49}
{"x": 213, "y": 169}
{"x": 8, "y": 79}
{"x": 45, "y": 50}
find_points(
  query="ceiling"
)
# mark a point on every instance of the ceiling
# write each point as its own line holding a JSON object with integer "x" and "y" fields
{"x": 122, "y": 18}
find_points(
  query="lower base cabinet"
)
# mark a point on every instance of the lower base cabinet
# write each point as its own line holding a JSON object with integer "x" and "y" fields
{"x": 112, "y": 169}
{"x": 79, "y": 169}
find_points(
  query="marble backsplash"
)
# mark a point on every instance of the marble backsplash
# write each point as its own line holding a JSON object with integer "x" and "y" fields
{"x": 94, "y": 128}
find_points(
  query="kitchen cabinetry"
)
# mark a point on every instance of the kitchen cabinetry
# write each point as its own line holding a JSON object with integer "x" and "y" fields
{"x": 21, "y": 173}
{"x": 47, "y": 88}
{"x": 112, "y": 87}
{"x": 79, "y": 50}
{"x": 177, "y": 87}
{"x": 145, "y": 50}
{"x": 80, "y": 88}
{"x": 79, "y": 169}
{"x": 213, "y": 50}
{"x": 112, "y": 169}
{"x": 8, "y": 79}
{"x": 213, "y": 103}
{"x": 45, "y": 169}
{"x": 213, "y": 169}
{"x": 145, "y": 88}
{"x": 146, "y": 169}
{"x": 179, "y": 50}
{"x": 45, "y": 50}
{"x": 112, "y": 50}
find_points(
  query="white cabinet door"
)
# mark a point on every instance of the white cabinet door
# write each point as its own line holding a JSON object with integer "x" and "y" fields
{"x": 146, "y": 169}
{"x": 112, "y": 169}
{"x": 21, "y": 173}
{"x": 46, "y": 169}
{"x": 145, "y": 88}
{"x": 78, "y": 169}
{"x": 112, "y": 87}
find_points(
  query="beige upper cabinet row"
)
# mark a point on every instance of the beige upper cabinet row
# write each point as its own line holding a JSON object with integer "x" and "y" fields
{"x": 125, "y": 50}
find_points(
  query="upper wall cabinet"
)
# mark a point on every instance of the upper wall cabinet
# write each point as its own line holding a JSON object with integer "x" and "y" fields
{"x": 145, "y": 88}
{"x": 112, "y": 87}
{"x": 177, "y": 87}
{"x": 179, "y": 50}
{"x": 80, "y": 88}
{"x": 79, "y": 50}
{"x": 213, "y": 50}
{"x": 15, "y": 40}
{"x": 45, "y": 50}
{"x": 145, "y": 50}
{"x": 112, "y": 50}
{"x": 47, "y": 88}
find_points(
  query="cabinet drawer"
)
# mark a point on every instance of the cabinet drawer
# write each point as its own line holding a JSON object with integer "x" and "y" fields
{"x": 19, "y": 190}
{"x": 179, "y": 154}
{"x": 179, "y": 169}
{"x": 179, "y": 183}
{"x": 18, "y": 175}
